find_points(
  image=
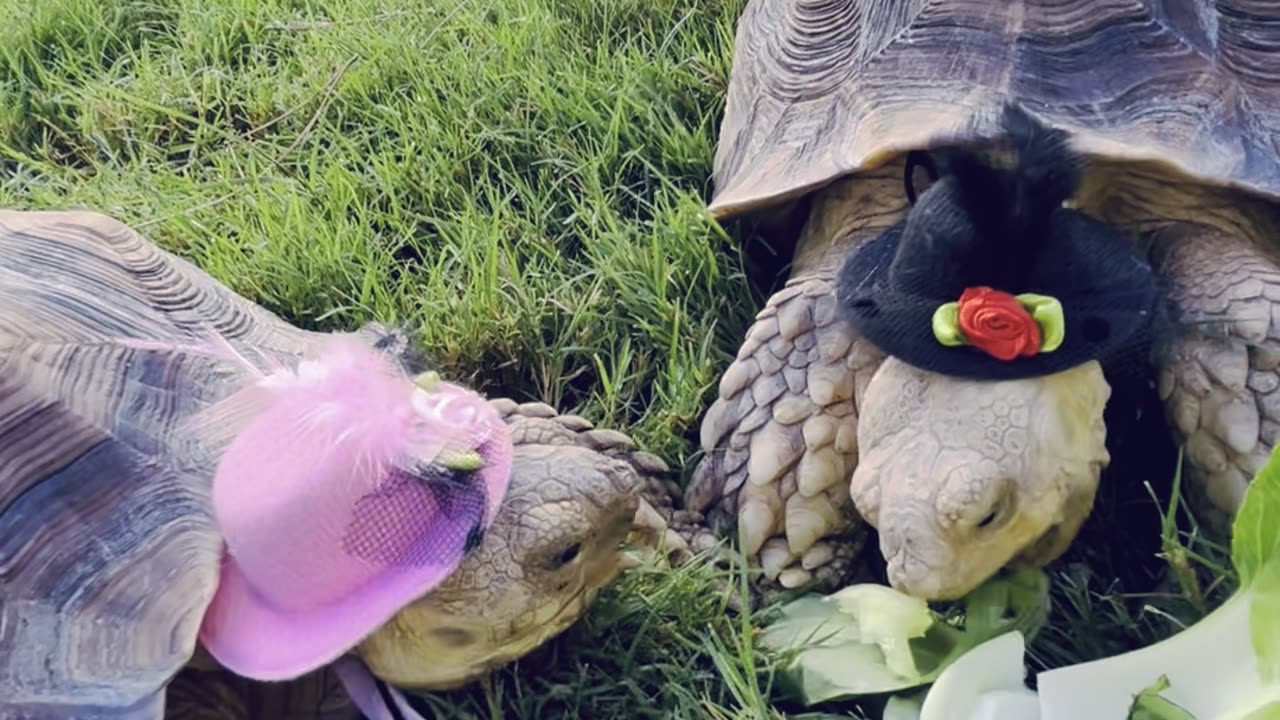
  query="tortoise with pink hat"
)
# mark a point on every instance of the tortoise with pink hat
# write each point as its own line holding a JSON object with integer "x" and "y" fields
{"x": 192, "y": 487}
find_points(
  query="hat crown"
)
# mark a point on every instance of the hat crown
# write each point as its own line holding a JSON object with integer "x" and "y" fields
{"x": 331, "y": 483}
{"x": 983, "y": 225}
{"x": 988, "y": 275}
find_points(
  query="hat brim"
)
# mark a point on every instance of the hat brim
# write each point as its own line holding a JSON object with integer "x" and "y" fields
{"x": 253, "y": 638}
{"x": 1107, "y": 291}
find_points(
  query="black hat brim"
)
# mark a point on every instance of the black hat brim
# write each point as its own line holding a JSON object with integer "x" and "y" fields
{"x": 1106, "y": 288}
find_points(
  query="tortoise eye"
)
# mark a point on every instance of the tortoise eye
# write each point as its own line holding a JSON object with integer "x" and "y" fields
{"x": 474, "y": 538}
{"x": 567, "y": 555}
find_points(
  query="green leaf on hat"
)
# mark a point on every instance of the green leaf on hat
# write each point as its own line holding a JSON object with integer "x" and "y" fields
{"x": 946, "y": 325}
{"x": 1047, "y": 312}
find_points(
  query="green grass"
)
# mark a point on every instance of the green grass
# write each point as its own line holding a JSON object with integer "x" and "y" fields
{"x": 523, "y": 181}
{"x": 510, "y": 177}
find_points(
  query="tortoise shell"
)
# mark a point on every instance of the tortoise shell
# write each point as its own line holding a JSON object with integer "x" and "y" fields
{"x": 108, "y": 550}
{"x": 823, "y": 88}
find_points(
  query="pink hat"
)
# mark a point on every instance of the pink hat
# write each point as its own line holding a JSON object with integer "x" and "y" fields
{"x": 338, "y": 506}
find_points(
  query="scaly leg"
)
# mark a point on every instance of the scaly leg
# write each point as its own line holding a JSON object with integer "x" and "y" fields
{"x": 781, "y": 437}
{"x": 1220, "y": 378}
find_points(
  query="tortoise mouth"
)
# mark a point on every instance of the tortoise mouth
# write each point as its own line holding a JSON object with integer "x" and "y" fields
{"x": 595, "y": 576}
{"x": 518, "y": 642}
{"x": 569, "y": 612}
{"x": 511, "y": 648}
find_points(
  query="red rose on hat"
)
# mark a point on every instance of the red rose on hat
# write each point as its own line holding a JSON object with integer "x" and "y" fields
{"x": 996, "y": 323}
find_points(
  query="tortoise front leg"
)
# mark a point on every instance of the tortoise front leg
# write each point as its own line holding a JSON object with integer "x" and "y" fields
{"x": 780, "y": 440}
{"x": 1220, "y": 375}
{"x": 781, "y": 437}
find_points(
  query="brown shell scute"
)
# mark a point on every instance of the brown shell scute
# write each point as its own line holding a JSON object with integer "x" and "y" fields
{"x": 821, "y": 88}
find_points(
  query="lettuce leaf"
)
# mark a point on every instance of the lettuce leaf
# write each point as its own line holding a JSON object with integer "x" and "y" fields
{"x": 869, "y": 639}
{"x": 1205, "y": 671}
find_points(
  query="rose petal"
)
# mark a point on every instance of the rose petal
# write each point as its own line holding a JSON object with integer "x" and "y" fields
{"x": 993, "y": 321}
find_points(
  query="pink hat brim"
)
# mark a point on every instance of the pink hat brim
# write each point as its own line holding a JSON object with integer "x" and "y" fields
{"x": 256, "y": 640}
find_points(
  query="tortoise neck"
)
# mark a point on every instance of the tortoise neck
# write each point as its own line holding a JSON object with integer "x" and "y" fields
{"x": 1142, "y": 198}
{"x": 845, "y": 215}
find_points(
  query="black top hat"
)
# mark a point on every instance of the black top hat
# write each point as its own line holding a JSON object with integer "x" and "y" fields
{"x": 999, "y": 234}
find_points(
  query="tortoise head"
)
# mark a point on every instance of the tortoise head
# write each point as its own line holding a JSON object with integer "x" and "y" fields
{"x": 963, "y": 477}
{"x": 556, "y": 541}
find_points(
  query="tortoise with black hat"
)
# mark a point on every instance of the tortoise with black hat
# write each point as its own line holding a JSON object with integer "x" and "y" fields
{"x": 945, "y": 361}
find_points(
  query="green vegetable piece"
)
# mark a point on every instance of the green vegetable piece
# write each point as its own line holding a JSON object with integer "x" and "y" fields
{"x": 1270, "y": 711}
{"x": 903, "y": 707}
{"x": 889, "y": 619}
{"x": 870, "y": 639}
{"x": 1209, "y": 672}
{"x": 1148, "y": 705}
{"x": 1255, "y": 543}
{"x": 988, "y": 682}
{"x": 830, "y": 658}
